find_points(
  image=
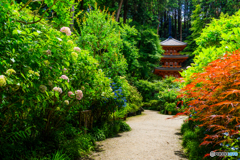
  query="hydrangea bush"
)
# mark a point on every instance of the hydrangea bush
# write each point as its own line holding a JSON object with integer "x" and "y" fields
{"x": 44, "y": 78}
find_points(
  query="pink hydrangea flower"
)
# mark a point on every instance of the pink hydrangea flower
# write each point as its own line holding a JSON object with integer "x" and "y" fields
{"x": 77, "y": 49}
{"x": 70, "y": 93}
{"x": 79, "y": 97}
{"x": 57, "y": 89}
{"x": 66, "y": 30}
{"x": 64, "y": 69}
{"x": 79, "y": 94}
{"x": 42, "y": 88}
{"x": 64, "y": 77}
{"x": 48, "y": 52}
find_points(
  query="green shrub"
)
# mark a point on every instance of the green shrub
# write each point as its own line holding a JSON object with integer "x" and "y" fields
{"x": 188, "y": 136}
{"x": 59, "y": 155}
{"x": 79, "y": 146}
{"x": 192, "y": 138}
{"x": 98, "y": 134}
{"x": 184, "y": 128}
{"x": 153, "y": 105}
{"x": 124, "y": 126}
{"x": 130, "y": 37}
{"x": 150, "y": 52}
{"x": 146, "y": 89}
{"x": 170, "y": 106}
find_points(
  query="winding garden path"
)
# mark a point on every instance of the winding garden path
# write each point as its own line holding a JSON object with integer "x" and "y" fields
{"x": 153, "y": 137}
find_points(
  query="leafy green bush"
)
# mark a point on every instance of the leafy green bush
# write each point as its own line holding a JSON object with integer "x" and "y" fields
{"x": 168, "y": 101}
{"x": 170, "y": 106}
{"x": 184, "y": 127}
{"x": 130, "y": 37}
{"x": 110, "y": 128}
{"x": 98, "y": 134}
{"x": 100, "y": 34}
{"x": 153, "y": 105}
{"x": 150, "y": 52}
{"x": 218, "y": 38}
{"x": 124, "y": 126}
{"x": 45, "y": 81}
{"x": 59, "y": 155}
{"x": 79, "y": 146}
{"x": 146, "y": 89}
{"x": 189, "y": 135}
{"x": 192, "y": 137}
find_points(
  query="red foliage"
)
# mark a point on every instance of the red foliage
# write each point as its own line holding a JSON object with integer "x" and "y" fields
{"x": 216, "y": 94}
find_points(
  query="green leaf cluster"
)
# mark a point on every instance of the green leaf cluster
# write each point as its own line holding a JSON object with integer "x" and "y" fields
{"x": 217, "y": 39}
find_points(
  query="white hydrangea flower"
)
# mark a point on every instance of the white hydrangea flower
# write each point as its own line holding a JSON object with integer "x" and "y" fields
{"x": 10, "y": 71}
{"x": 2, "y": 80}
{"x": 66, "y": 102}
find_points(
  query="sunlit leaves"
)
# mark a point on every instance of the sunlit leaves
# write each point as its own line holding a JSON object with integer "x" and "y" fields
{"x": 220, "y": 37}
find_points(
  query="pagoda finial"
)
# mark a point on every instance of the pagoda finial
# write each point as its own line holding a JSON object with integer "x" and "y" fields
{"x": 170, "y": 27}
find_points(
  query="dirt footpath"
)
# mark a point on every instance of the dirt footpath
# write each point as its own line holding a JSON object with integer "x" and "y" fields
{"x": 153, "y": 137}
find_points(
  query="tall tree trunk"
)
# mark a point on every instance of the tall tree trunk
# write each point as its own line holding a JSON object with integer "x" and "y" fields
{"x": 135, "y": 10}
{"x": 72, "y": 11}
{"x": 119, "y": 9}
{"x": 159, "y": 17}
{"x": 113, "y": 2}
{"x": 165, "y": 24}
{"x": 175, "y": 24}
{"x": 184, "y": 14}
{"x": 161, "y": 35}
{"x": 179, "y": 16}
{"x": 172, "y": 29}
{"x": 81, "y": 7}
{"x": 181, "y": 30}
{"x": 125, "y": 11}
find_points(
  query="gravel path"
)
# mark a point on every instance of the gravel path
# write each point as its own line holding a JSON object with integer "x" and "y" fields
{"x": 153, "y": 137}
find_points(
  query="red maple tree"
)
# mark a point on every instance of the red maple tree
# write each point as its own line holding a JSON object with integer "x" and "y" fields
{"x": 216, "y": 98}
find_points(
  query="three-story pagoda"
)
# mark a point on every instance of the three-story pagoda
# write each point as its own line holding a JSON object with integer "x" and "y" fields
{"x": 171, "y": 61}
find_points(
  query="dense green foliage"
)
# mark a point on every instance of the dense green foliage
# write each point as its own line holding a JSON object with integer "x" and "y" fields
{"x": 192, "y": 136}
{"x": 204, "y": 12}
{"x": 161, "y": 95}
{"x": 219, "y": 37}
{"x": 100, "y": 34}
{"x": 46, "y": 80}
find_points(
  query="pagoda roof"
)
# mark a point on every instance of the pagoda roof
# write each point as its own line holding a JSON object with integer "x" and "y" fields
{"x": 170, "y": 69}
{"x": 175, "y": 56}
{"x": 172, "y": 42}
